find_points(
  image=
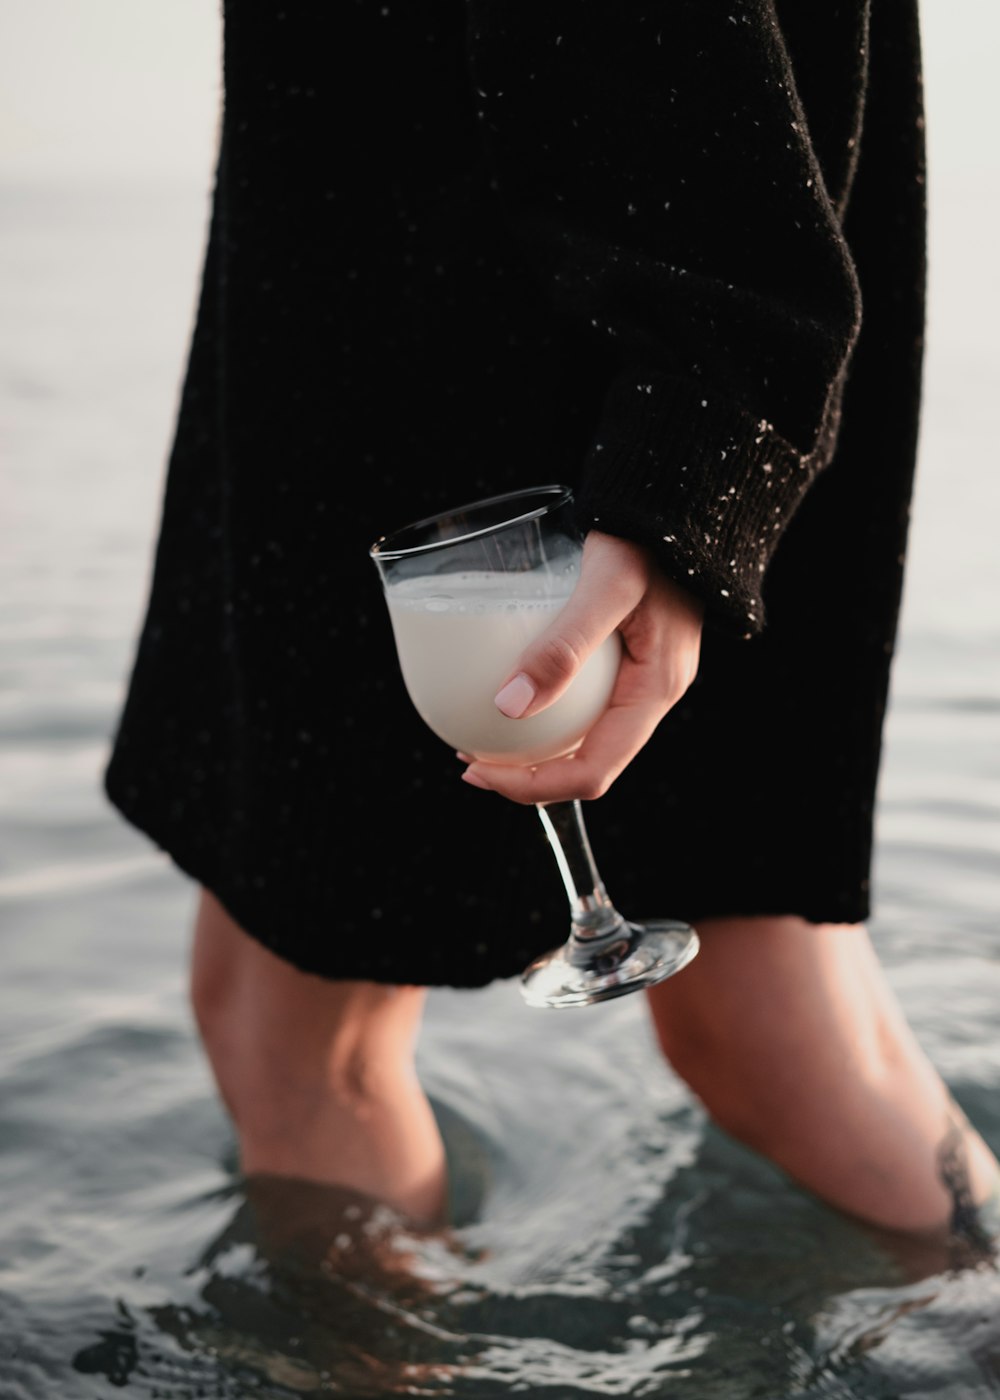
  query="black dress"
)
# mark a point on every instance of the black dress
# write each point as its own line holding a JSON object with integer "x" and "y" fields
{"x": 673, "y": 256}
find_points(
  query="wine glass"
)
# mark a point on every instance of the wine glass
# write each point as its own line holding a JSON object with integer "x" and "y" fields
{"x": 467, "y": 591}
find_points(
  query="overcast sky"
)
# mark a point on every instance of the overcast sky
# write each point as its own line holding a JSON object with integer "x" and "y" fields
{"x": 131, "y": 87}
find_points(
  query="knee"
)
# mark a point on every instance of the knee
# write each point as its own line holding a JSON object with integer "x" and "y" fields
{"x": 747, "y": 1076}
{"x": 277, "y": 1077}
{"x": 741, "y": 1095}
{"x": 284, "y": 1045}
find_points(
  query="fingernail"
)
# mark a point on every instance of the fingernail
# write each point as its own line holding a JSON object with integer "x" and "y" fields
{"x": 474, "y": 780}
{"x": 515, "y": 697}
{"x": 465, "y": 757}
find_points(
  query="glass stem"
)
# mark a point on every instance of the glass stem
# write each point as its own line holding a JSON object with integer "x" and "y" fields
{"x": 592, "y": 913}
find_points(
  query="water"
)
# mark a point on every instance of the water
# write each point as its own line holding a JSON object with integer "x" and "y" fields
{"x": 608, "y": 1240}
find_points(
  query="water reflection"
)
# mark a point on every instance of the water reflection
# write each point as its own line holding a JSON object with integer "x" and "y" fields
{"x": 317, "y": 1288}
{"x": 115, "y": 1355}
{"x": 730, "y": 1283}
{"x": 307, "y": 1288}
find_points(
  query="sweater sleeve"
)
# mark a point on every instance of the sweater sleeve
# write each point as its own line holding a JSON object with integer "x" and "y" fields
{"x": 654, "y": 164}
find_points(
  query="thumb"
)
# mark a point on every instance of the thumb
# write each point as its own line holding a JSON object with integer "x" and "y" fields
{"x": 610, "y": 587}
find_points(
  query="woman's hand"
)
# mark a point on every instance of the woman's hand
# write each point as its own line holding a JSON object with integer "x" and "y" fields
{"x": 660, "y": 626}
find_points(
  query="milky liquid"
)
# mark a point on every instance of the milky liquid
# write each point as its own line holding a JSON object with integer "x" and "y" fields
{"x": 459, "y": 635}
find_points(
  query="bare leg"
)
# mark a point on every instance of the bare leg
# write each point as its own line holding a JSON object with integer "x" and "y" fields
{"x": 317, "y": 1076}
{"x": 793, "y": 1041}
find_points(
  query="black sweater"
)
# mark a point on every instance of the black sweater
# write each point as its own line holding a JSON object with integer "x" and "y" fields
{"x": 681, "y": 193}
{"x": 636, "y": 271}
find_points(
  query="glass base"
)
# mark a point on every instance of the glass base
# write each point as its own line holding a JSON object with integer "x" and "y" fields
{"x": 584, "y": 971}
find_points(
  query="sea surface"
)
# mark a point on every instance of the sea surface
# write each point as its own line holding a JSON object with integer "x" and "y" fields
{"x": 608, "y": 1241}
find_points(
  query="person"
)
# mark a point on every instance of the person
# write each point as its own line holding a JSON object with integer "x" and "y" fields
{"x": 675, "y": 259}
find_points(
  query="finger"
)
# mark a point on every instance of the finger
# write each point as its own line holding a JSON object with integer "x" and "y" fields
{"x": 610, "y": 746}
{"x": 611, "y": 584}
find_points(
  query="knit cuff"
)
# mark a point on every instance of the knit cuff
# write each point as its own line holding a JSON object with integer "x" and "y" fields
{"x": 704, "y": 484}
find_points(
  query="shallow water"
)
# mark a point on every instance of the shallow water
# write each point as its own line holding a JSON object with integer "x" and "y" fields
{"x": 607, "y": 1241}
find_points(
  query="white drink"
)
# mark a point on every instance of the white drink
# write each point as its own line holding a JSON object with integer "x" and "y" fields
{"x": 457, "y": 638}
